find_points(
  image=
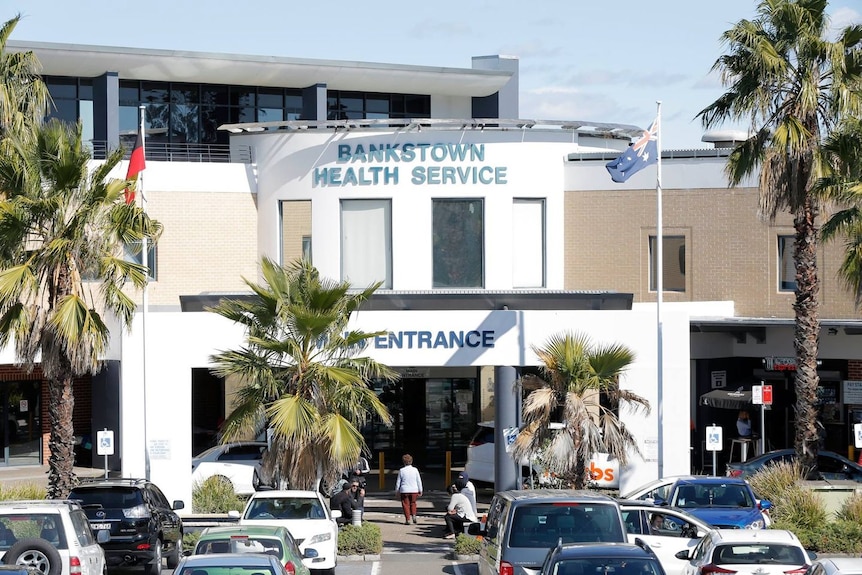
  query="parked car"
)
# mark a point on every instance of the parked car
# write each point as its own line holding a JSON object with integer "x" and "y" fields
{"x": 723, "y": 502}
{"x": 667, "y": 530}
{"x": 275, "y": 541}
{"x": 144, "y": 527}
{"x": 308, "y": 518}
{"x": 830, "y": 465}
{"x": 602, "y": 558}
{"x": 657, "y": 489}
{"x": 480, "y": 461}
{"x": 761, "y": 551}
{"x": 836, "y": 566}
{"x": 523, "y": 525}
{"x": 65, "y": 546}
{"x": 232, "y": 462}
{"x": 230, "y": 564}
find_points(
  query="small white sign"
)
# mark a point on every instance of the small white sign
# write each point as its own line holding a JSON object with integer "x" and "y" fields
{"x": 719, "y": 379}
{"x": 757, "y": 394}
{"x": 713, "y": 438}
{"x": 509, "y": 434}
{"x": 105, "y": 442}
{"x": 857, "y": 434}
{"x": 852, "y": 392}
{"x": 23, "y": 406}
{"x": 160, "y": 449}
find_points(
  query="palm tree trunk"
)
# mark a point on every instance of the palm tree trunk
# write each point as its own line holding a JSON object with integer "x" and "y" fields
{"x": 807, "y": 331}
{"x": 61, "y": 405}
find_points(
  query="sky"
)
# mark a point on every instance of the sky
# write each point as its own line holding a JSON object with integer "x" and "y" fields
{"x": 579, "y": 59}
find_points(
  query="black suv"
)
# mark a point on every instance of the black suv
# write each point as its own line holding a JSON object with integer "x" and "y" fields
{"x": 618, "y": 558}
{"x": 143, "y": 525}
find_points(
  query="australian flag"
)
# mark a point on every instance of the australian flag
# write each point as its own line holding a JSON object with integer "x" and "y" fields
{"x": 637, "y": 156}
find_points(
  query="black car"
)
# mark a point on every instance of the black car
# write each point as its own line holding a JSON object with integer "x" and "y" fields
{"x": 588, "y": 559}
{"x": 830, "y": 466}
{"x": 143, "y": 525}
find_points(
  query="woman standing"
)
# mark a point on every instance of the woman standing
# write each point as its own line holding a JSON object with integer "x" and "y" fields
{"x": 409, "y": 488}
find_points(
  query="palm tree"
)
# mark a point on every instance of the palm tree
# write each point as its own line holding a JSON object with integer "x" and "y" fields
{"x": 24, "y": 97}
{"x": 794, "y": 86}
{"x": 62, "y": 231}
{"x": 579, "y": 381}
{"x": 302, "y": 373}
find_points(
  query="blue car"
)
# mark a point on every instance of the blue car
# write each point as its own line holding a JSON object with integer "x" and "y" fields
{"x": 723, "y": 502}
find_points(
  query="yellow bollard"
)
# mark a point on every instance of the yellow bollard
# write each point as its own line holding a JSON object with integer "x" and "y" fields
{"x": 381, "y": 471}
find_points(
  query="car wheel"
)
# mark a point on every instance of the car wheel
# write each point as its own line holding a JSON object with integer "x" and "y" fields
{"x": 35, "y": 553}
{"x": 174, "y": 558}
{"x": 155, "y": 567}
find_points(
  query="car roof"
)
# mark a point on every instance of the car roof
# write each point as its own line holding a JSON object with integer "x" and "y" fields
{"x": 844, "y": 564}
{"x": 275, "y": 494}
{"x": 551, "y": 495}
{"x": 667, "y": 480}
{"x": 749, "y": 535}
{"x": 552, "y": 425}
{"x": 226, "y": 560}
{"x": 253, "y": 530}
{"x": 573, "y": 550}
{"x": 710, "y": 480}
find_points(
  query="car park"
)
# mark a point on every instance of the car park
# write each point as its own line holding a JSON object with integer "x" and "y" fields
{"x": 675, "y": 531}
{"x": 657, "y": 489}
{"x": 230, "y": 564}
{"x": 50, "y": 537}
{"x": 234, "y": 463}
{"x": 275, "y": 541}
{"x": 522, "y": 525}
{"x": 830, "y": 466}
{"x": 308, "y": 518}
{"x": 144, "y": 527}
{"x": 761, "y": 551}
{"x": 723, "y": 502}
{"x": 836, "y": 566}
{"x": 602, "y": 558}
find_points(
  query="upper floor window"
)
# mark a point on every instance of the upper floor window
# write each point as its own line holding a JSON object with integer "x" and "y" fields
{"x": 366, "y": 242}
{"x": 342, "y": 105}
{"x": 673, "y": 262}
{"x": 134, "y": 253}
{"x": 458, "y": 243}
{"x": 528, "y": 243}
{"x": 786, "y": 265}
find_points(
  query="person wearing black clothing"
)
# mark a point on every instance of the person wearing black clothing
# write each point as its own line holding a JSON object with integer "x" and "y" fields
{"x": 343, "y": 501}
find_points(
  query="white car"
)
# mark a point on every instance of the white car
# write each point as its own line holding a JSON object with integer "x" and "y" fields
{"x": 674, "y": 531}
{"x": 308, "y": 518}
{"x": 760, "y": 551}
{"x": 65, "y": 545}
{"x": 233, "y": 462}
{"x": 658, "y": 489}
{"x": 836, "y": 566}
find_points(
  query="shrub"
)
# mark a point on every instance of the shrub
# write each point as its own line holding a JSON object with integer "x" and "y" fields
{"x": 833, "y": 537}
{"x": 214, "y": 495}
{"x": 467, "y": 545}
{"x": 363, "y": 540}
{"x": 22, "y": 491}
{"x": 190, "y": 539}
{"x": 774, "y": 479}
{"x": 851, "y": 509}
{"x": 802, "y": 508}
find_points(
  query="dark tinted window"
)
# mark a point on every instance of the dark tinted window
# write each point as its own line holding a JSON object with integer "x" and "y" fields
{"x": 266, "y": 545}
{"x": 617, "y": 566}
{"x": 109, "y": 498}
{"x": 540, "y": 525}
{"x": 483, "y": 435}
{"x": 755, "y": 554}
{"x": 242, "y": 453}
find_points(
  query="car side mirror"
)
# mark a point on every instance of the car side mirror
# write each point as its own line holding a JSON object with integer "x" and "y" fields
{"x": 765, "y": 504}
{"x": 103, "y": 536}
{"x": 335, "y": 513}
{"x": 233, "y": 514}
{"x": 811, "y": 554}
{"x": 178, "y": 505}
{"x": 682, "y": 555}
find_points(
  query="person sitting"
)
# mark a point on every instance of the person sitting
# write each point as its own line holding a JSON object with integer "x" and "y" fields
{"x": 656, "y": 522}
{"x": 743, "y": 426}
{"x": 343, "y": 501}
{"x": 458, "y": 512}
{"x": 466, "y": 487}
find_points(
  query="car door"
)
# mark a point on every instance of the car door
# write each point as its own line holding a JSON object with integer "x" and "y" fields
{"x": 169, "y": 521}
{"x": 676, "y": 533}
{"x": 90, "y": 552}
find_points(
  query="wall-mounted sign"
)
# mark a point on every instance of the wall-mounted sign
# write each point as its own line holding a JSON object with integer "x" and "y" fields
{"x": 780, "y": 363}
{"x": 719, "y": 379}
{"x": 852, "y": 392}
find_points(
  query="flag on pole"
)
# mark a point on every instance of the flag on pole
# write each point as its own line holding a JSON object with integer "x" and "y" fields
{"x": 637, "y": 156}
{"x": 136, "y": 165}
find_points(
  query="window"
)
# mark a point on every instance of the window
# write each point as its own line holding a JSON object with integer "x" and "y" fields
{"x": 134, "y": 254}
{"x": 786, "y": 267}
{"x": 366, "y": 242}
{"x": 306, "y": 248}
{"x": 528, "y": 243}
{"x": 673, "y": 262}
{"x": 458, "y": 242}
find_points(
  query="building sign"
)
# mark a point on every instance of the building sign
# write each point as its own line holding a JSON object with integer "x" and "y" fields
{"x": 380, "y": 165}
{"x": 434, "y": 339}
{"x": 852, "y": 392}
{"x": 719, "y": 379}
{"x": 780, "y": 363}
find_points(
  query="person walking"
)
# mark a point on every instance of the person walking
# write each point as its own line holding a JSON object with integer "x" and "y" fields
{"x": 409, "y": 488}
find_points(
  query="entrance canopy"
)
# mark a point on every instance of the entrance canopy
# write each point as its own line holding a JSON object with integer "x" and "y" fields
{"x": 727, "y": 399}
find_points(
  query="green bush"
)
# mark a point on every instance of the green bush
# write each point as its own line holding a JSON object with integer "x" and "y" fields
{"x": 215, "y": 495}
{"x": 363, "y": 540}
{"x": 851, "y": 509}
{"x": 801, "y": 507}
{"x": 190, "y": 539}
{"x": 774, "y": 479}
{"x": 22, "y": 491}
{"x": 467, "y": 544}
{"x": 832, "y": 537}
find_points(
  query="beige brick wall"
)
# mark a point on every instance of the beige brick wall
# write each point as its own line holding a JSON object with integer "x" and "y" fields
{"x": 296, "y": 223}
{"x": 730, "y": 253}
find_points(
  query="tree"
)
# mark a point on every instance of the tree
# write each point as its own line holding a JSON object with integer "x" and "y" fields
{"x": 62, "y": 232}
{"x": 580, "y": 381}
{"x": 24, "y": 97}
{"x": 303, "y": 376}
{"x": 794, "y": 86}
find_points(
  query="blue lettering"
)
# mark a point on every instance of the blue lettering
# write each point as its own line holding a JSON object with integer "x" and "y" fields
{"x": 433, "y": 174}
{"x": 472, "y": 339}
{"x": 500, "y": 175}
{"x": 409, "y": 335}
{"x": 392, "y": 153}
{"x": 482, "y": 171}
{"x": 358, "y": 153}
{"x": 438, "y": 152}
{"x": 418, "y": 176}
{"x": 456, "y": 339}
{"x": 350, "y": 177}
{"x": 335, "y": 176}
{"x": 343, "y": 152}
{"x": 407, "y": 153}
{"x": 488, "y": 339}
{"x": 458, "y": 151}
{"x": 424, "y": 337}
{"x": 477, "y": 153}
{"x": 375, "y": 153}
{"x": 390, "y": 174}
{"x": 448, "y": 175}
{"x": 319, "y": 178}
{"x": 464, "y": 173}
{"x": 441, "y": 340}
{"x": 381, "y": 341}
{"x": 395, "y": 340}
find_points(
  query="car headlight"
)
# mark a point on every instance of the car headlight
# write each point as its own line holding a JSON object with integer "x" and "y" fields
{"x": 320, "y": 538}
{"x": 756, "y": 524}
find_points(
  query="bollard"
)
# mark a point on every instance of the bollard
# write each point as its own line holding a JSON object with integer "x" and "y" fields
{"x": 357, "y": 518}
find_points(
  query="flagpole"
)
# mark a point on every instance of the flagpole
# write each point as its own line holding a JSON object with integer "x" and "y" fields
{"x": 659, "y": 293}
{"x": 142, "y": 112}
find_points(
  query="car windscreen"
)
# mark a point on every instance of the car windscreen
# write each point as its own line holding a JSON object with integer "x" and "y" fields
{"x": 250, "y": 544}
{"x": 713, "y": 495}
{"x": 603, "y": 566}
{"x": 757, "y": 554}
{"x": 285, "y": 508}
{"x": 227, "y": 570}
{"x": 542, "y": 524}
{"x": 113, "y": 498}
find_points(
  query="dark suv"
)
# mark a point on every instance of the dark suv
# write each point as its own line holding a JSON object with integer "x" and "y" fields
{"x": 143, "y": 525}
{"x": 618, "y": 558}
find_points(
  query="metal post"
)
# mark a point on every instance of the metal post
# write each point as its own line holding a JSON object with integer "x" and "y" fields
{"x": 505, "y": 416}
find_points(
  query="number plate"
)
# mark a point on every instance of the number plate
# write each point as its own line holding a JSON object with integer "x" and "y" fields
{"x": 100, "y": 526}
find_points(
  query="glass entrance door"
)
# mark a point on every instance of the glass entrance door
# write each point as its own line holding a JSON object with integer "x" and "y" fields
{"x": 20, "y": 412}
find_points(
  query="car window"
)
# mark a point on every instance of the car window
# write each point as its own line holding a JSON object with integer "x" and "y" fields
{"x": 82, "y": 528}
{"x": 632, "y": 520}
{"x": 233, "y": 570}
{"x": 701, "y": 550}
{"x": 671, "y": 525}
{"x": 285, "y": 508}
{"x": 113, "y": 498}
{"x": 242, "y": 453}
{"x": 756, "y": 554}
{"x": 541, "y": 524}
{"x": 158, "y": 497}
{"x": 617, "y": 566}
{"x": 483, "y": 435}
{"x": 48, "y": 526}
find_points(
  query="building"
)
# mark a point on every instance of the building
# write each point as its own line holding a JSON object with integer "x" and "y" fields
{"x": 373, "y": 171}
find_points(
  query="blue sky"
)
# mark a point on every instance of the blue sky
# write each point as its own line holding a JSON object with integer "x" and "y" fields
{"x": 579, "y": 59}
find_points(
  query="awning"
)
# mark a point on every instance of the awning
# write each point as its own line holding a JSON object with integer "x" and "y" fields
{"x": 727, "y": 399}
